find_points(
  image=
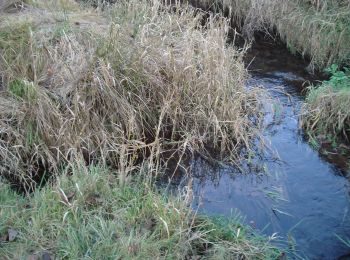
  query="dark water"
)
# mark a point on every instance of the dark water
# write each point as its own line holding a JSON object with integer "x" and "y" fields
{"x": 294, "y": 192}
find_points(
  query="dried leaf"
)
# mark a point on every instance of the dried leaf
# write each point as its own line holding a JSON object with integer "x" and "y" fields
{"x": 150, "y": 224}
{"x": 94, "y": 200}
{"x": 12, "y": 234}
{"x": 32, "y": 257}
{"x": 133, "y": 248}
{"x": 4, "y": 238}
{"x": 70, "y": 195}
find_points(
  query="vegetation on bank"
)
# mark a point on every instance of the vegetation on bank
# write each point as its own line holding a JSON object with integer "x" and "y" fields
{"x": 87, "y": 214}
{"x": 125, "y": 88}
{"x": 326, "y": 114}
{"x": 135, "y": 80}
{"x": 317, "y": 29}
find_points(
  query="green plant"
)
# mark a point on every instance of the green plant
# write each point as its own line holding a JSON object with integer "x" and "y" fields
{"x": 339, "y": 79}
{"x": 87, "y": 214}
{"x": 22, "y": 90}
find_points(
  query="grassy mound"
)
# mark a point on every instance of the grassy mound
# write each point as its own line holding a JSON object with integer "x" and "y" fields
{"x": 319, "y": 29}
{"x": 327, "y": 114}
{"x": 88, "y": 215}
{"x": 115, "y": 86}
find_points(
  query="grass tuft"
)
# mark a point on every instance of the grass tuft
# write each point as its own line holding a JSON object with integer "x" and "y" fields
{"x": 133, "y": 81}
{"x": 326, "y": 112}
{"x": 89, "y": 215}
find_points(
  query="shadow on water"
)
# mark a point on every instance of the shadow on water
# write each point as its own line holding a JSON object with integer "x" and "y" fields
{"x": 294, "y": 192}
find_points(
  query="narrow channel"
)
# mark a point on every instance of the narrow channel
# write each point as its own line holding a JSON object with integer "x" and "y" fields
{"x": 298, "y": 194}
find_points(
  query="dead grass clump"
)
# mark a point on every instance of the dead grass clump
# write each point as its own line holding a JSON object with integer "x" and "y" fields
{"x": 326, "y": 114}
{"x": 134, "y": 79}
{"x": 11, "y": 5}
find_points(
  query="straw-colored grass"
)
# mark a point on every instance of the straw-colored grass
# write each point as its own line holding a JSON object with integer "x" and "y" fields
{"x": 116, "y": 86}
{"x": 318, "y": 29}
{"x": 10, "y": 5}
{"x": 326, "y": 115}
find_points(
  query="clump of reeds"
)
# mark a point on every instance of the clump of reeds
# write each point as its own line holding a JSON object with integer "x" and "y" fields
{"x": 114, "y": 86}
{"x": 326, "y": 113}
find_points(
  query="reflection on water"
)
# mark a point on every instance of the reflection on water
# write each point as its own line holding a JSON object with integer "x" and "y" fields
{"x": 300, "y": 195}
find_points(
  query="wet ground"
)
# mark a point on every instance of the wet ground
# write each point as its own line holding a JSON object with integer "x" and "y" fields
{"x": 293, "y": 191}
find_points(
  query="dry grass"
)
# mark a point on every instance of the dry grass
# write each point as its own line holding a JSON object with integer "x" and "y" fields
{"x": 9, "y": 5}
{"x": 116, "y": 86}
{"x": 319, "y": 29}
{"x": 326, "y": 115}
{"x": 328, "y": 112}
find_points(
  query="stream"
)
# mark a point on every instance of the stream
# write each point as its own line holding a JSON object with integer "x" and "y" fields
{"x": 293, "y": 191}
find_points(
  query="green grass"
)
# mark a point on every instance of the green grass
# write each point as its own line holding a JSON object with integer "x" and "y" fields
{"x": 22, "y": 90}
{"x": 87, "y": 214}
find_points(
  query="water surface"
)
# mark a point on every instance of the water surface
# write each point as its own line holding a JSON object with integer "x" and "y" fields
{"x": 292, "y": 191}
